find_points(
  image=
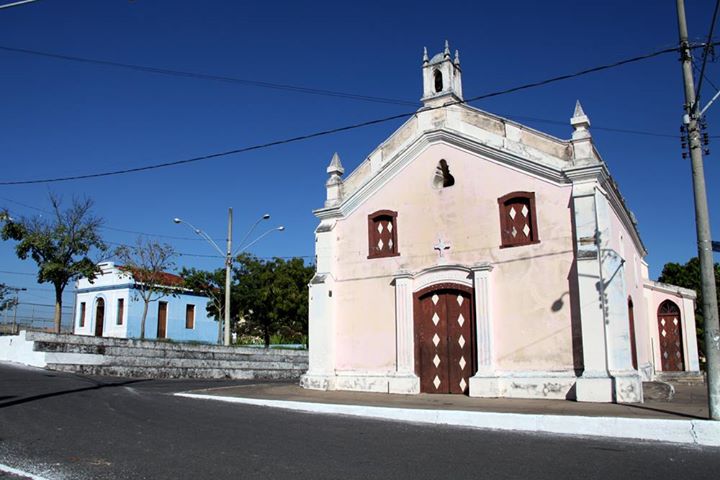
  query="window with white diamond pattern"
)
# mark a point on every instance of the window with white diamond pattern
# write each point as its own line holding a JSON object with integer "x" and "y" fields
{"x": 518, "y": 224}
{"x": 382, "y": 234}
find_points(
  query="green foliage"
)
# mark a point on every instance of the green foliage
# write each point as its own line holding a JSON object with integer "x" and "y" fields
{"x": 59, "y": 244}
{"x": 272, "y": 297}
{"x": 209, "y": 284}
{"x": 148, "y": 262}
{"x": 688, "y": 276}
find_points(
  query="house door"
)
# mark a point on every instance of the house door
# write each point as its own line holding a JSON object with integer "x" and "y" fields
{"x": 99, "y": 317}
{"x": 671, "y": 347}
{"x": 162, "y": 320}
{"x": 444, "y": 340}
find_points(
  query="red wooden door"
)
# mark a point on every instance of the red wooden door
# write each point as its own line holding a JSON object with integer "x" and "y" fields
{"x": 444, "y": 347}
{"x": 671, "y": 347}
{"x": 162, "y": 320}
{"x": 99, "y": 317}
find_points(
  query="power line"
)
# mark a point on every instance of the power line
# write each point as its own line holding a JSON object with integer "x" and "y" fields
{"x": 17, "y": 273}
{"x": 206, "y": 76}
{"x": 706, "y": 51}
{"x": 105, "y": 227}
{"x": 17, "y": 4}
{"x": 343, "y": 128}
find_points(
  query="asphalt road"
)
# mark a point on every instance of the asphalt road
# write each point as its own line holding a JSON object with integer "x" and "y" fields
{"x": 64, "y": 426}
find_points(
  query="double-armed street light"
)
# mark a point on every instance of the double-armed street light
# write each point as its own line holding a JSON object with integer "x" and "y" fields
{"x": 229, "y": 255}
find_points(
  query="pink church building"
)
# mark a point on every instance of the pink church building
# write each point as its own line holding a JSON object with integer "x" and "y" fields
{"x": 471, "y": 254}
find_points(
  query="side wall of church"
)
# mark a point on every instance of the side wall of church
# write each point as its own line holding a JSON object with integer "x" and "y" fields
{"x": 622, "y": 242}
{"x": 530, "y": 285}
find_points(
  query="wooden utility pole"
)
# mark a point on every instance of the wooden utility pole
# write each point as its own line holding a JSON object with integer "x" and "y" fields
{"x": 702, "y": 221}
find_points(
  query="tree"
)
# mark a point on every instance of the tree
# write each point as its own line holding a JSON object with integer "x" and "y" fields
{"x": 211, "y": 285}
{"x": 59, "y": 244}
{"x": 148, "y": 261}
{"x": 272, "y": 297}
{"x": 5, "y": 302}
{"x": 688, "y": 276}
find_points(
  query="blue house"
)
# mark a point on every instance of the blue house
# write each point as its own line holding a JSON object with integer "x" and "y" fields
{"x": 110, "y": 306}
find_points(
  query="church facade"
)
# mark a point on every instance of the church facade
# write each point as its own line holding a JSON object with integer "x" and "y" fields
{"x": 471, "y": 254}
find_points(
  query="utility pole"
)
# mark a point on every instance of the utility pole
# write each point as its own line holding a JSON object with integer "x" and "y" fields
{"x": 228, "y": 265}
{"x": 702, "y": 221}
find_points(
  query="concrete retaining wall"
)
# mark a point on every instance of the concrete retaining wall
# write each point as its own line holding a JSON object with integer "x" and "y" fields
{"x": 135, "y": 358}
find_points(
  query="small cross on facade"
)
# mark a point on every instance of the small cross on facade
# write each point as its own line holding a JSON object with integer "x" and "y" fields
{"x": 441, "y": 245}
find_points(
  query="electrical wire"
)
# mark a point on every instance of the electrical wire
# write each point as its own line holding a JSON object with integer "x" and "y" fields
{"x": 706, "y": 51}
{"x": 340, "y": 129}
{"x": 17, "y": 4}
{"x": 206, "y": 76}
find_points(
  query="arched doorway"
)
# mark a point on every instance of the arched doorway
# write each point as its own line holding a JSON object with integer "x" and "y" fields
{"x": 633, "y": 344}
{"x": 99, "y": 317}
{"x": 444, "y": 338}
{"x": 671, "y": 347}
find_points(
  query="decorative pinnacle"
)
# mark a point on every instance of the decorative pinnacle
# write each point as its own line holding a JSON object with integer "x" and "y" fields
{"x": 457, "y": 57}
{"x": 578, "y": 110}
{"x": 580, "y": 123}
{"x": 426, "y": 59}
{"x": 335, "y": 167}
{"x": 447, "y": 49}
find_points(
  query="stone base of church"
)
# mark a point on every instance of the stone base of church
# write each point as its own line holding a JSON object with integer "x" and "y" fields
{"x": 362, "y": 382}
{"x": 627, "y": 386}
{"x": 553, "y": 385}
{"x": 594, "y": 389}
{"x": 317, "y": 381}
{"x": 619, "y": 387}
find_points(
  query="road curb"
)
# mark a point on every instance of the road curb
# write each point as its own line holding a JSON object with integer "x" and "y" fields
{"x": 20, "y": 473}
{"x": 694, "y": 432}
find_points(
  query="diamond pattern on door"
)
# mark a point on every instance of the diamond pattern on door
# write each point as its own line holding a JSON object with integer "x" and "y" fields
{"x": 671, "y": 346}
{"x": 444, "y": 352}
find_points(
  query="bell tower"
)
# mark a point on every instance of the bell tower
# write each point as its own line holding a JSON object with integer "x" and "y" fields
{"x": 442, "y": 78}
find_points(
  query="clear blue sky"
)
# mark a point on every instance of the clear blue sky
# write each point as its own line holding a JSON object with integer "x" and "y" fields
{"x": 61, "y": 118}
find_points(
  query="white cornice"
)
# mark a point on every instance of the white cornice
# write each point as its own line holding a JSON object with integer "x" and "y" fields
{"x": 670, "y": 289}
{"x": 550, "y": 173}
{"x": 403, "y": 158}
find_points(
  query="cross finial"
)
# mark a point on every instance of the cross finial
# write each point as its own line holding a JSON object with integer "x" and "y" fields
{"x": 440, "y": 246}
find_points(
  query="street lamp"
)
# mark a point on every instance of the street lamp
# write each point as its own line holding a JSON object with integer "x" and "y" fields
{"x": 229, "y": 256}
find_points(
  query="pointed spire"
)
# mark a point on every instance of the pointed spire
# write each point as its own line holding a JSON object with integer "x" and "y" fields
{"x": 447, "y": 49}
{"x": 426, "y": 59}
{"x": 335, "y": 167}
{"x": 457, "y": 58}
{"x": 334, "y": 184}
{"x": 578, "y": 110}
{"x": 580, "y": 123}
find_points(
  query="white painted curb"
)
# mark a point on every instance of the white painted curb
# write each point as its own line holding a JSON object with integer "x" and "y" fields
{"x": 15, "y": 471}
{"x": 696, "y": 432}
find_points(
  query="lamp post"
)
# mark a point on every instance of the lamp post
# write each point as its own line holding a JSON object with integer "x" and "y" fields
{"x": 229, "y": 255}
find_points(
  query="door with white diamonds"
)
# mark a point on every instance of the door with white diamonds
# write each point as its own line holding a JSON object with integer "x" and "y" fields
{"x": 444, "y": 346}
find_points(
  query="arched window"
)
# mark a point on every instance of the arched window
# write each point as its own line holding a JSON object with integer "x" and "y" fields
{"x": 382, "y": 234}
{"x": 443, "y": 178}
{"x": 518, "y": 221}
{"x": 438, "y": 81}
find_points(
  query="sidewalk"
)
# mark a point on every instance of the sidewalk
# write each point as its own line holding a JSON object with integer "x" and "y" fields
{"x": 682, "y": 420}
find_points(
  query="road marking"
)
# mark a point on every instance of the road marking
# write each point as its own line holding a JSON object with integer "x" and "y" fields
{"x": 15, "y": 471}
